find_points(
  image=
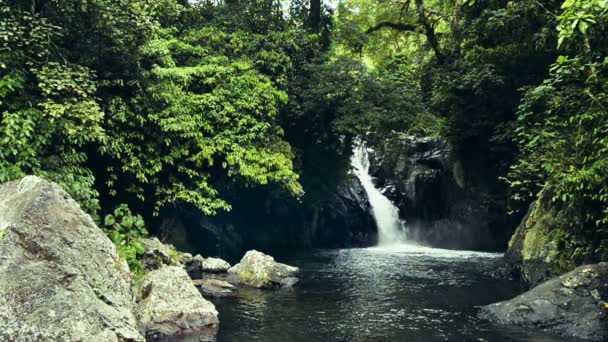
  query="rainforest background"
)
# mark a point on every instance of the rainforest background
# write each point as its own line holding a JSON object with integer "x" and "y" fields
{"x": 228, "y": 125}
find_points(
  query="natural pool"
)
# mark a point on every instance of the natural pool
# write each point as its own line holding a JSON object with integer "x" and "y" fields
{"x": 400, "y": 293}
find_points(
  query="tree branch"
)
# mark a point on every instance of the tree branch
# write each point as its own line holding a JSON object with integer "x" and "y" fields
{"x": 422, "y": 25}
{"x": 394, "y": 26}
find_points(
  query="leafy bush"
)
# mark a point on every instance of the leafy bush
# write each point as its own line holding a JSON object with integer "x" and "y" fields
{"x": 127, "y": 231}
{"x": 562, "y": 130}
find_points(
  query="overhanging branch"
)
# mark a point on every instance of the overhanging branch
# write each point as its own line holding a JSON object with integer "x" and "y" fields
{"x": 394, "y": 26}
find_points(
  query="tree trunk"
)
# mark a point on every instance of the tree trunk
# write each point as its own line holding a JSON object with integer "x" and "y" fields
{"x": 314, "y": 16}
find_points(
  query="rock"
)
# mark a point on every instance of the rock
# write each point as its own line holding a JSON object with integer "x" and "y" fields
{"x": 185, "y": 258}
{"x": 215, "y": 265}
{"x": 450, "y": 198}
{"x": 572, "y": 305}
{"x": 536, "y": 252}
{"x": 199, "y": 265}
{"x": 214, "y": 287}
{"x": 61, "y": 278}
{"x": 194, "y": 267}
{"x": 259, "y": 270}
{"x": 169, "y": 305}
{"x": 156, "y": 254}
{"x": 343, "y": 217}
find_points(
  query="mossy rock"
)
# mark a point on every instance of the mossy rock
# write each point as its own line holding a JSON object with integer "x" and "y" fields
{"x": 546, "y": 243}
{"x": 261, "y": 271}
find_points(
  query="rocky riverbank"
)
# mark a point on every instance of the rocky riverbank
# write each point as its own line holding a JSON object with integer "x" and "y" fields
{"x": 63, "y": 279}
{"x": 571, "y": 305}
{"x": 552, "y": 255}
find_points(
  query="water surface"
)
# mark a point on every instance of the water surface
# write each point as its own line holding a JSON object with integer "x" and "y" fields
{"x": 400, "y": 293}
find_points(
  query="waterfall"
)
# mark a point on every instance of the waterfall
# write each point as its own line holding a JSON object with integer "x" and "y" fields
{"x": 391, "y": 229}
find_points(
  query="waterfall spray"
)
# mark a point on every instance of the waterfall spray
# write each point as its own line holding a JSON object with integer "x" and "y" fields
{"x": 391, "y": 229}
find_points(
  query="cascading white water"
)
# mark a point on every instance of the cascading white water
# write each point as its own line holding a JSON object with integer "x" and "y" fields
{"x": 391, "y": 229}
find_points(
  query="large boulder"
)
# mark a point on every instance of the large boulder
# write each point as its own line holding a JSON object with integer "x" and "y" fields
{"x": 169, "y": 304}
{"x": 259, "y": 270}
{"x": 61, "y": 278}
{"x": 572, "y": 305}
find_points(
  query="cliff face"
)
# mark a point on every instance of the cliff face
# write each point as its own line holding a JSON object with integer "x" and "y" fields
{"x": 337, "y": 217}
{"x": 446, "y": 200}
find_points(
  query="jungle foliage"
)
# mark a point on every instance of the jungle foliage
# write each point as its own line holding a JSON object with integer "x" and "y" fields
{"x": 157, "y": 103}
{"x": 519, "y": 83}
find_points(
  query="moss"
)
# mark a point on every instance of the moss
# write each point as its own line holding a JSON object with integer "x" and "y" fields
{"x": 550, "y": 244}
{"x": 2, "y": 235}
{"x": 250, "y": 278}
{"x": 174, "y": 255}
{"x": 247, "y": 277}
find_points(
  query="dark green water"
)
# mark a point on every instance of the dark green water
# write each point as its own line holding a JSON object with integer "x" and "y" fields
{"x": 360, "y": 295}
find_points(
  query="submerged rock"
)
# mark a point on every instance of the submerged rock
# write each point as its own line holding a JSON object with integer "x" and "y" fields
{"x": 572, "y": 305}
{"x": 61, "y": 278}
{"x": 169, "y": 304}
{"x": 259, "y": 270}
{"x": 214, "y": 287}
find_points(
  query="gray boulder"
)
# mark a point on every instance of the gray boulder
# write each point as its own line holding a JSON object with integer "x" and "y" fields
{"x": 259, "y": 270}
{"x": 185, "y": 258}
{"x": 169, "y": 305}
{"x": 156, "y": 254}
{"x": 572, "y": 305}
{"x": 61, "y": 278}
{"x": 215, "y": 265}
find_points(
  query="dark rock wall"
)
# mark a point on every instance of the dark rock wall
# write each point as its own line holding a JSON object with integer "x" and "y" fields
{"x": 448, "y": 199}
{"x": 275, "y": 223}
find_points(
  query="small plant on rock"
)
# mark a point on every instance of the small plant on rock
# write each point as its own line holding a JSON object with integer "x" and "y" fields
{"x": 127, "y": 231}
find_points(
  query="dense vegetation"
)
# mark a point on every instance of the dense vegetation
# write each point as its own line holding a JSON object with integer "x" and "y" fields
{"x": 158, "y": 103}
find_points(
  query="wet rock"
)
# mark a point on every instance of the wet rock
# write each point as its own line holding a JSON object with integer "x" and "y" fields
{"x": 259, "y": 270}
{"x": 572, "y": 305}
{"x": 214, "y": 287}
{"x": 194, "y": 267}
{"x": 61, "y": 278}
{"x": 214, "y": 265}
{"x": 343, "y": 218}
{"x": 169, "y": 304}
{"x": 449, "y": 198}
{"x": 198, "y": 266}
